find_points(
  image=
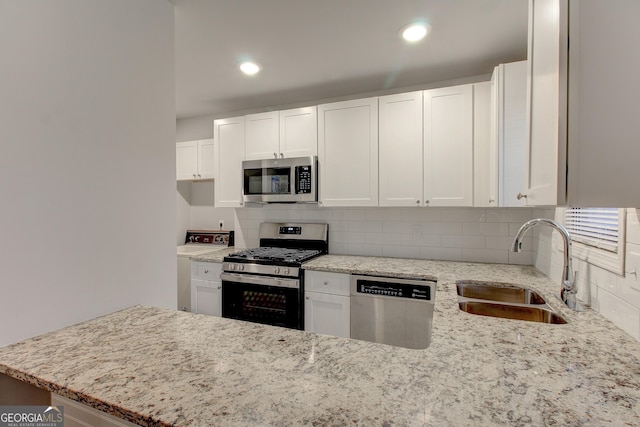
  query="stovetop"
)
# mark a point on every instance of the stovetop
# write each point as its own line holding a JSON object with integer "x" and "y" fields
{"x": 271, "y": 255}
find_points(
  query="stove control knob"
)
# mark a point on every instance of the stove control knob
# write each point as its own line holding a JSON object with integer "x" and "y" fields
{"x": 286, "y": 270}
{"x": 241, "y": 267}
{"x": 232, "y": 267}
{"x": 276, "y": 270}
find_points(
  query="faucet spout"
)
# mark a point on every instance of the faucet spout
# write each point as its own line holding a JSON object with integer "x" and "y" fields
{"x": 568, "y": 286}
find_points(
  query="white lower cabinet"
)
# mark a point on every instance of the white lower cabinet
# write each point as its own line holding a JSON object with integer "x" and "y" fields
{"x": 77, "y": 414}
{"x": 327, "y": 303}
{"x": 206, "y": 288}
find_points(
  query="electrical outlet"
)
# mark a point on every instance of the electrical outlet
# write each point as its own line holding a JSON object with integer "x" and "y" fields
{"x": 221, "y": 223}
{"x": 416, "y": 231}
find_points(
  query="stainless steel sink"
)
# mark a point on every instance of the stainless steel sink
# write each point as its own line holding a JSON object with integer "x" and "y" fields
{"x": 505, "y": 300}
{"x": 500, "y": 292}
{"x": 508, "y": 311}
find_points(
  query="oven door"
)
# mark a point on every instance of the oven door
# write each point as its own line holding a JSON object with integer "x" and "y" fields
{"x": 262, "y": 299}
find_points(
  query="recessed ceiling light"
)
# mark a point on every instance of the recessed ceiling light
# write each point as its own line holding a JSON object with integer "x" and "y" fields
{"x": 415, "y": 32}
{"x": 250, "y": 68}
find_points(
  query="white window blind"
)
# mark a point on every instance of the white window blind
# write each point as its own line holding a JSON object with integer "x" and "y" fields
{"x": 596, "y": 227}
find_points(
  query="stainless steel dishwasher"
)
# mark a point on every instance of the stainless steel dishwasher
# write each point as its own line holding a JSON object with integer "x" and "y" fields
{"x": 392, "y": 310}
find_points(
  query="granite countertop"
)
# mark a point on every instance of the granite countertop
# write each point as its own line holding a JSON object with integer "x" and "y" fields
{"x": 162, "y": 367}
{"x": 216, "y": 256}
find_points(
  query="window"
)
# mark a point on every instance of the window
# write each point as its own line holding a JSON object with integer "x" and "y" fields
{"x": 598, "y": 236}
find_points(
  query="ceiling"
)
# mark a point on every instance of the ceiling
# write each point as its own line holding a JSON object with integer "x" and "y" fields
{"x": 321, "y": 49}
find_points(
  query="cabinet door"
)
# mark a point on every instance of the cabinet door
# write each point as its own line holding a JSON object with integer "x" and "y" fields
{"x": 546, "y": 154}
{"x": 77, "y": 414}
{"x": 229, "y": 137}
{"x": 327, "y": 314}
{"x": 206, "y": 159}
{"x": 206, "y": 297}
{"x": 400, "y": 175}
{"x": 448, "y": 146}
{"x": 348, "y": 153}
{"x": 261, "y": 136}
{"x": 485, "y": 183}
{"x": 187, "y": 160}
{"x": 511, "y": 135}
{"x": 299, "y": 132}
{"x": 604, "y": 90}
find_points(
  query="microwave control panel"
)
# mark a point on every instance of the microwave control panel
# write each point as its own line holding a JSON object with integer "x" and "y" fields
{"x": 303, "y": 179}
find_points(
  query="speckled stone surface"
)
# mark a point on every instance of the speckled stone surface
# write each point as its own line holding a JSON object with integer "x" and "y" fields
{"x": 161, "y": 367}
{"x": 216, "y": 256}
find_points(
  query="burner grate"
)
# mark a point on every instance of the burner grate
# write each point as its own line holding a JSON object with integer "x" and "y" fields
{"x": 276, "y": 254}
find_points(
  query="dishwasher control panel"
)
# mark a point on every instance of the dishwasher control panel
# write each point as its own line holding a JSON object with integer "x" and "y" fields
{"x": 393, "y": 289}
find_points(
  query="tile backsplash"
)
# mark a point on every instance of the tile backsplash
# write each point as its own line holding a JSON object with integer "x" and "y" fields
{"x": 453, "y": 234}
{"x": 615, "y": 296}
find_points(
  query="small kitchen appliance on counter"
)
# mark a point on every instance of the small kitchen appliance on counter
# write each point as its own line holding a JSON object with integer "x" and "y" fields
{"x": 196, "y": 242}
{"x": 266, "y": 284}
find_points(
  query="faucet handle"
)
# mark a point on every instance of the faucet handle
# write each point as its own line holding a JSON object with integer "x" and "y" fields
{"x": 570, "y": 285}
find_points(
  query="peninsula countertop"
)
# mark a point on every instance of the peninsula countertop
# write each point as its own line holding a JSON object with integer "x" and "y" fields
{"x": 161, "y": 367}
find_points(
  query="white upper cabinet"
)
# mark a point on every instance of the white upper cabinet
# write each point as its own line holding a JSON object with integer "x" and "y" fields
{"x": 206, "y": 159}
{"x": 187, "y": 160}
{"x": 262, "y": 136}
{"x": 508, "y": 146}
{"x": 348, "y": 153}
{"x": 279, "y": 134}
{"x": 299, "y": 132}
{"x": 485, "y": 185}
{"x": 400, "y": 174}
{"x": 546, "y": 97}
{"x": 229, "y": 137}
{"x": 448, "y": 146}
{"x": 583, "y": 148}
{"x": 195, "y": 160}
{"x": 604, "y": 90}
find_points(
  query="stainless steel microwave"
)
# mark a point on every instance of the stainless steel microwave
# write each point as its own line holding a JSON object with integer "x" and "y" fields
{"x": 288, "y": 180}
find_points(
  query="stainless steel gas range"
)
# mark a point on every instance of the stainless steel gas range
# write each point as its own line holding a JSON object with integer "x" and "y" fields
{"x": 266, "y": 284}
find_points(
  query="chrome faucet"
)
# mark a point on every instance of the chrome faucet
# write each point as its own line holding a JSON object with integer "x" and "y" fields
{"x": 569, "y": 289}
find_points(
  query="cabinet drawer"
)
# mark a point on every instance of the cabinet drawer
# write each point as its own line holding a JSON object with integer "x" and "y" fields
{"x": 206, "y": 270}
{"x": 328, "y": 283}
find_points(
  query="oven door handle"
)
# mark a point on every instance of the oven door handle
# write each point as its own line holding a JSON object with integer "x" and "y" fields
{"x": 260, "y": 280}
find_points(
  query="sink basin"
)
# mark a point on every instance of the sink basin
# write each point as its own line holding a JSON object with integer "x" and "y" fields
{"x": 518, "y": 312}
{"x": 499, "y": 292}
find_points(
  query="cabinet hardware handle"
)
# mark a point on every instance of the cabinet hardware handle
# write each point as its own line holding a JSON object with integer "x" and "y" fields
{"x": 417, "y": 202}
{"x": 219, "y": 287}
{"x": 521, "y": 196}
{"x": 306, "y": 298}
{"x": 426, "y": 201}
{"x": 281, "y": 156}
{"x": 275, "y": 155}
{"x": 491, "y": 201}
{"x": 194, "y": 175}
{"x": 326, "y": 283}
{"x": 206, "y": 271}
{"x": 199, "y": 176}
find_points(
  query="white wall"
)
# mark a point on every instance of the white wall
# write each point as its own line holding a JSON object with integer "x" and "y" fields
{"x": 616, "y": 297}
{"x": 454, "y": 234}
{"x": 87, "y": 160}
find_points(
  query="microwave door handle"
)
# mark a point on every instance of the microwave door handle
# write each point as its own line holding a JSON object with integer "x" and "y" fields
{"x": 260, "y": 280}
